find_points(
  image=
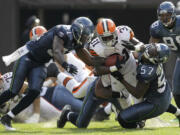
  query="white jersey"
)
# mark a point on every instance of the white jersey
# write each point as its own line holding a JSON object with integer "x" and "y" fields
{"x": 128, "y": 69}
{"x": 7, "y": 77}
{"x": 83, "y": 72}
{"x": 76, "y": 84}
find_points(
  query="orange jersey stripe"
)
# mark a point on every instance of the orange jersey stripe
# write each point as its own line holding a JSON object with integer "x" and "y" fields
{"x": 92, "y": 52}
{"x": 66, "y": 80}
{"x": 78, "y": 87}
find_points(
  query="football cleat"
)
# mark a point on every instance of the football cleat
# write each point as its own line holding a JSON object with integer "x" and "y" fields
{"x": 6, "y": 121}
{"x": 63, "y": 117}
{"x": 100, "y": 115}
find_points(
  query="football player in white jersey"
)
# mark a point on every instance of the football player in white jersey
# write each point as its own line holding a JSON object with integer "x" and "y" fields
{"x": 76, "y": 84}
{"x": 108, "y": 42}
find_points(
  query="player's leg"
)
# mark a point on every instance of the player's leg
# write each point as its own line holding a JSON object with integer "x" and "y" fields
{"x": 82, "y": 119}
{"x": 61, "y": 97}
{"x": 36, "y": 78}
{"x": 19, "y": 73}
{"x": 21, "y": 68}
{"x": 176, "y": 84}
{"x": 153, "y": 106}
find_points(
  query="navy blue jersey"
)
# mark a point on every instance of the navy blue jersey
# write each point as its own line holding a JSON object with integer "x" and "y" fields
{"x": 152, "y": 74}
{"x": 171, "y": 37}
{"x": 41, "y": 49}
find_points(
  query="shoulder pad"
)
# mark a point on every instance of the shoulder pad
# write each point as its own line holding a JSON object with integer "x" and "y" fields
{"x": 146, "y": 73}
{"x": 155, "y": 29}
{"x": 61, "y": 32}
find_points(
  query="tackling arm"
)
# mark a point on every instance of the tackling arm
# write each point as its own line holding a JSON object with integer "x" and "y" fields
{"x": 138, "y": 91}
{"x": 89, "y": 60}
{"x": 58, "y": 49}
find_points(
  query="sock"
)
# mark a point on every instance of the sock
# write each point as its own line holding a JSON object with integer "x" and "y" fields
{"x": 72, "y": 117}
{"x": 11, "y": 114}
{"x": 108, "y": 109}
{"x": 25, "y": 101}
{"x": 177, "y": 112}
{"x": 172, "y": 109}
{"x": 5, "y": 96}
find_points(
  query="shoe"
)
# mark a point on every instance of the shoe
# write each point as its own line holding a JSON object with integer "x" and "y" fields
{"x": 63, "y": 117}
{"x": 100, "y": 115}
{"x": 141, "y": 124}
{"x": 6, "y": 121}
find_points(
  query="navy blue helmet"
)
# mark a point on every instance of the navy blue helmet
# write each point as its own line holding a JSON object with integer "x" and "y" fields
{"x": 82, "y": 29}
{"x": 157, "y": 53}
{"x": 166, "y": 13}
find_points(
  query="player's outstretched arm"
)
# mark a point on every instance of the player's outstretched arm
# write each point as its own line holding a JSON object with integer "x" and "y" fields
{"x": 88, "y": 59}
{"x": 58, "y": 51}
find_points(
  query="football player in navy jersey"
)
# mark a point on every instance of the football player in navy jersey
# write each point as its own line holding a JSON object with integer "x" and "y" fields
{"x": 167, "y": 29}
{"x": 151, "y": 86}
{"x": 34, "y": 54}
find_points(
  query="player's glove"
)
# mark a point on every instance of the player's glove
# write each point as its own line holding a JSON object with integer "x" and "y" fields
{"x": 117, "y": 75}
{"x": 128, "y": 45}
{"x": 70, "y": 68}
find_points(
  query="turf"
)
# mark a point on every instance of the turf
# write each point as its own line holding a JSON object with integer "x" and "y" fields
{"x": 157, "y": 126}
{"x": 162, "y": 125}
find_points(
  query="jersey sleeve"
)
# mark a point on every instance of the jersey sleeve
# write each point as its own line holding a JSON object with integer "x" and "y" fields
{"x": 154, "y": 30}
{"x": 146, "y": 73}
{"x": 125, "y": 33}
{"x": 95, "y": 48}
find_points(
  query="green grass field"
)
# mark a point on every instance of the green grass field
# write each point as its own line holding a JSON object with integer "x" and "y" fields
{"x": 157, "y": 126}
{"x": 162, "y": 125}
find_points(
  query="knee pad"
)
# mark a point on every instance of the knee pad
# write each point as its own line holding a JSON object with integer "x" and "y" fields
{"x": 125, "y": 124}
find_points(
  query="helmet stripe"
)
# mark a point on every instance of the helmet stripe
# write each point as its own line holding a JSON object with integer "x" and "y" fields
{"x": 33, "y": 31}
{"x": 105, "y": 26}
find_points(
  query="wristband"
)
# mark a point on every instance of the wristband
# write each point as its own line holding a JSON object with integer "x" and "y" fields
{"x": 113, "y": 68}
{"x": 138, "y": 46}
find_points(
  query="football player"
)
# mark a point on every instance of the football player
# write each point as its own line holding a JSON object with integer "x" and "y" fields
{"x": 106, "y": 87}
{"x": 166, "y": 29}
{"x": 52, "y": 100}
{"x": 32, "y": 57}
{"x": 151, "y": 85}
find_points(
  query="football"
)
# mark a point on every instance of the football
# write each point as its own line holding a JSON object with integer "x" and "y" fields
{"x": 111, "y": 60}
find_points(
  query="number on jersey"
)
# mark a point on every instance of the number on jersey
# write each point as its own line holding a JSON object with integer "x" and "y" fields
{"x": 171, "y": 43}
